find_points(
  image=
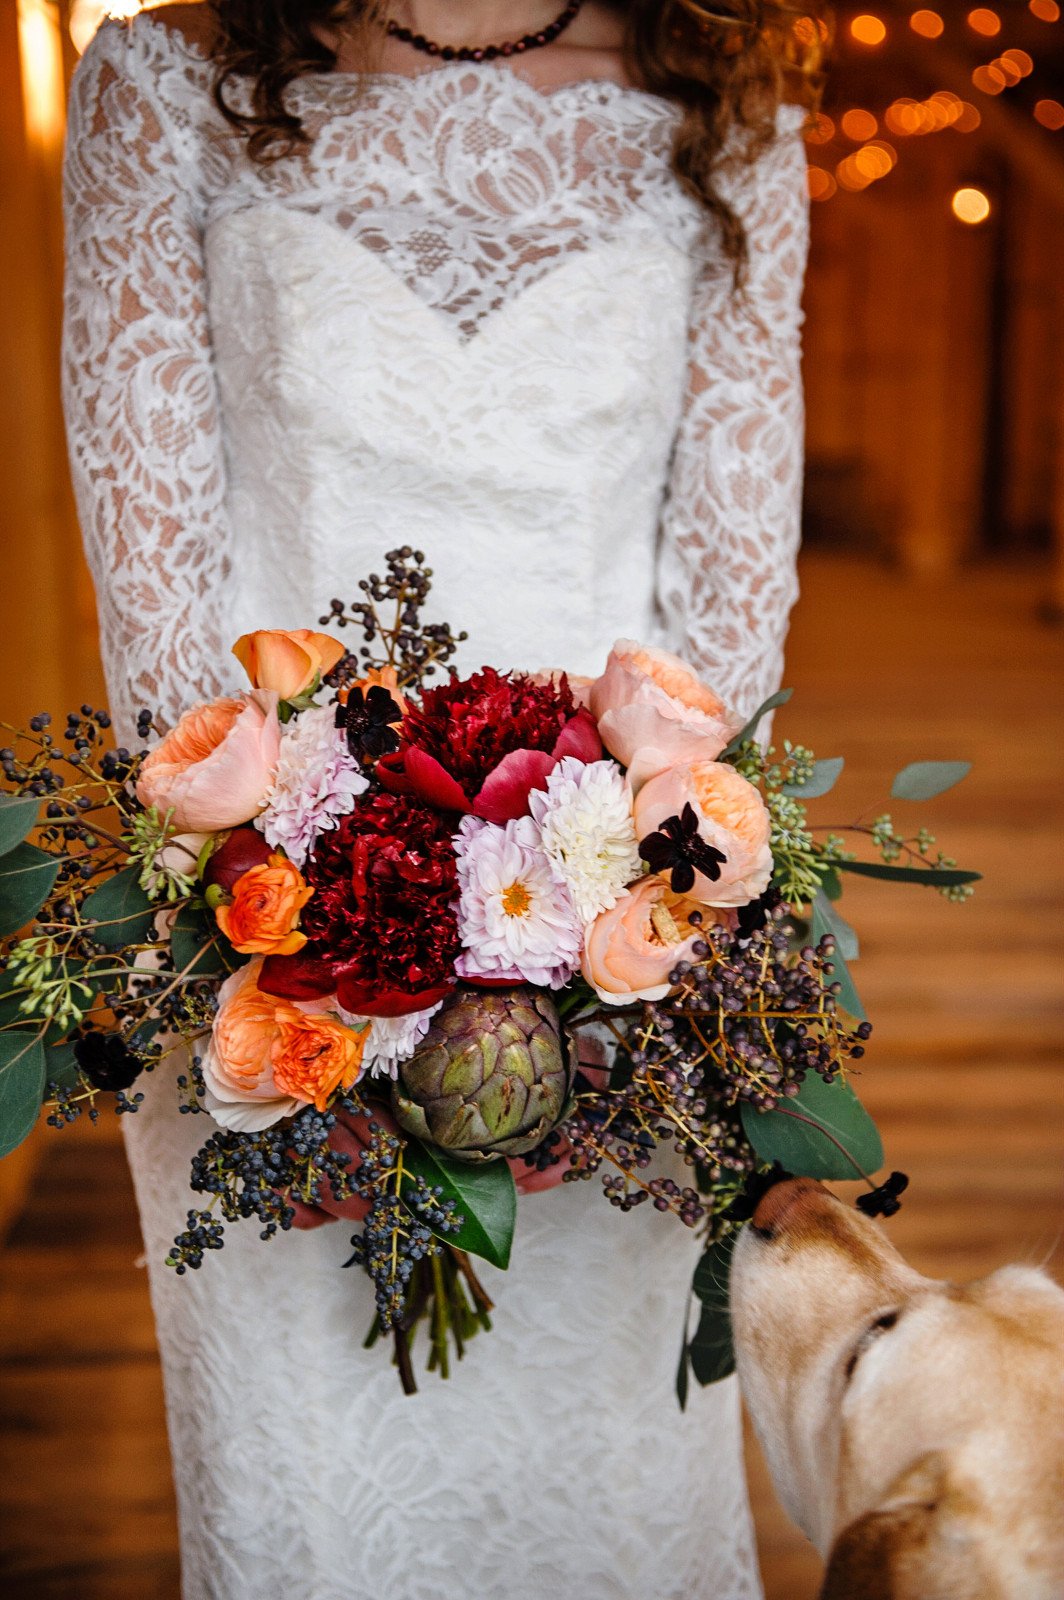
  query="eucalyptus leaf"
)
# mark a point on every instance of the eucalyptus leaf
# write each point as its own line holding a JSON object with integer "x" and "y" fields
{"x": 780, "y": 698}
{"x": 827, "y": 920}
{"x": 683, "y": 1372}
{"x": 61, "y": 1066}
{"x": 923, "y": 780}
{"x": 824, "y": 1132}
{"x": 931, "y": 877}
{"x": 122, "y": 911}
{"x": 22, "y": 1070}
{"x": 485, "y": 1194}
{"x": 831, "y": 884}
{"x": 18, "y": 817}
{"x": 821, "y": 781}
{"x": 27, "y": 877}
{"x": 191, "y": 946}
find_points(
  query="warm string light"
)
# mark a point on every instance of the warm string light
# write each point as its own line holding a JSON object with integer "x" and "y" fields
{"x": 970, "y": 205}
{"x": 40, "y": 48}
{"x": 1050, "y": 113}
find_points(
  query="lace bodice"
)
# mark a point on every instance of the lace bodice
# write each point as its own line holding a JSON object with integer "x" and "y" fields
{"x": 487, "y": 321}
{"x": 207, "y": 298}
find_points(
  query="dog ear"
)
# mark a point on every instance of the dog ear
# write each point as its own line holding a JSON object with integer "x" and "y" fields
{"x": 919, "y": 1544}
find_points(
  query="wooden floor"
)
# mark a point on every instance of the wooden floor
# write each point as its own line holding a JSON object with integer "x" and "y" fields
{"x": 964, "y": 1074}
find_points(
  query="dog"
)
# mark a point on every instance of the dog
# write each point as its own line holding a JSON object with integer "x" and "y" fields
{"x": 914, "y": 1429}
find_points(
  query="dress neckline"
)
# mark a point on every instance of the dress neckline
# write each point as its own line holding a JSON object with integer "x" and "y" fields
{"x": 602, "y": 90}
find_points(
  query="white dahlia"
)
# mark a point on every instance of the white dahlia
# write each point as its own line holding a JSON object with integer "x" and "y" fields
{"x": 317, "y": 782}
{"x": 391, "y": 1039}
{"x": 515, "y": 919}
{"x": 588, "y": 835}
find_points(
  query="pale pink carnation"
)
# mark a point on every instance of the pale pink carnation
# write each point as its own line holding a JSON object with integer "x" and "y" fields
{"x": 317, "y": 783}
{"x": 515, "y": 920}
{"x": 391, "y": 1039}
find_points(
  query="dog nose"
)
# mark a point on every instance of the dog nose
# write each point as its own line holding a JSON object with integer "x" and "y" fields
{"x": 783, "y": 1201}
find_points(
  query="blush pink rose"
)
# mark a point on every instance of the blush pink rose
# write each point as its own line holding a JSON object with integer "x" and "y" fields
{"x": 652, "y": 711}
{"x": 216, "y": 767}
{"x": 731, "y": 816}
{"x": 630, "y": 949}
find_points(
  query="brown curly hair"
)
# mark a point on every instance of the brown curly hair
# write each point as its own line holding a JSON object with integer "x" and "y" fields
{"x": 728, "y": 63}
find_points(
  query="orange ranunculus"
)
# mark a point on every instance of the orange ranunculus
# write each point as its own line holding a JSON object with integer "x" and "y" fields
{"x": 288, "y": 660}
{"x": 313, "y": 1055}
{"x": 630, "y": 949}
{"x": 732, "y": 816}
{"x": 262, "y": 916}
{"x": 238, "y": 1063}
{"x": 215, "y": 768}
{"x": 378, "y": 678}
{"x": 652, "y": 711}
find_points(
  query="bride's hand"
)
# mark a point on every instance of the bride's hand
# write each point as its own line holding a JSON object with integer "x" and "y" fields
{"x": 351, "y": 1137}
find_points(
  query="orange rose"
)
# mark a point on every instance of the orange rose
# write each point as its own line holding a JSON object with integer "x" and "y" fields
{"x": 215, "y": 768}
{"x": 731, "y": 816}
{"x": 238, "y": 1063}
{"x": 262, "y": 916}
{"x": 289, "y": 661}
{"x": 313, "y": 1055}
{"x": 630, "y": 949}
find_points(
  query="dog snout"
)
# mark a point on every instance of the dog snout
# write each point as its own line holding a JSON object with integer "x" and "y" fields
{"x": 785, "y": 1203}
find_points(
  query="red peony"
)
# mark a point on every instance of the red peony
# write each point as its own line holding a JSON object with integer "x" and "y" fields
{"x": 382, "y": 928}
{"x": 482, "y": 744}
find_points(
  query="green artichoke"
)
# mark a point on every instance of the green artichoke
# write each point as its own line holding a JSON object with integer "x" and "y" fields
{"x": 491, "y": 1078}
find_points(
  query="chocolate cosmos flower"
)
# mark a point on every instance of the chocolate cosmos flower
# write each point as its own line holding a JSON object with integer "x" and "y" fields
{"x": 678, "y": 848}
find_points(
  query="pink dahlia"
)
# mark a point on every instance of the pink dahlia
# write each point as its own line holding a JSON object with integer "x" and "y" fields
{"x": 517, "y": 923}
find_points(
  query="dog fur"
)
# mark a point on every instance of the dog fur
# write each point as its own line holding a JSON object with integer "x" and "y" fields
{"x": 914, "y": 1429}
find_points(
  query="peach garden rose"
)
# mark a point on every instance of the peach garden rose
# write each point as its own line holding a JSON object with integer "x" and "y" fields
{"x": 731, "y": 816}
{"x": 630, "y": 949}
{"x": 652, "y": 712}
{"x": 215, "y": 768}
{"x": 287, "y": 660}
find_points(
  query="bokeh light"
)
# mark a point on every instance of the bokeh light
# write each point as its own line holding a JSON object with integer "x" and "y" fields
{"x": 1023, "y": 63}
{"x": 821, "y": 130}
{"x": 928, "y": 24}
{"x": 859, "y": 125}
{"x": 86, "y": 16}
{"x": 968, "y": 119}
{"x": 1045, "y": 10}
{"x": 1050, "y": 113}
{"x": 984, "y": 21}
{"x": 821, "y": 184}
{"x": 875, "y": 160}
{"x": 970, "y": 205}
{"x": 988, "y": 79}
{"x": 868, "y": 29}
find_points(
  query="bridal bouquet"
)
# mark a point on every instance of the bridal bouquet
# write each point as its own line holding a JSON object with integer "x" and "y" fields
{"x": 421, "y": 946}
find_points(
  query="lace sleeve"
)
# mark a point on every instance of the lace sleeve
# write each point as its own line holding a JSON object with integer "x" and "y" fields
{"x": 731, "y": 522}
{"x": 139, "y": 391}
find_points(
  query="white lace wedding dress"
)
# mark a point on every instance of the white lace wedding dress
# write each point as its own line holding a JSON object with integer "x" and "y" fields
{"x": 482, "y": 319}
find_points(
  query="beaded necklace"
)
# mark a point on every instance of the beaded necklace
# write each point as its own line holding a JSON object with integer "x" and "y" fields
{"x": 488, "y": 52}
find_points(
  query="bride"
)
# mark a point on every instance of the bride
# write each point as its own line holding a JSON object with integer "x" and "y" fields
{"x": 340, "y": 278}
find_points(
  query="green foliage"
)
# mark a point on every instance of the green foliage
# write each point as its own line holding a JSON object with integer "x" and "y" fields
{"x": 147, "y": 839}
{"x": 22, "y": 1079}
{"x": 18, "y": 817}
{"x": 825, "y": 1132}
{"x": 823, "y": 777}
{"x": 710, "y": 1355}
{"x": 200, "y": 947}
{"x": 121, "y": 910}
{"x": 923, "y": 780}
{"x": 27, "y": 878}
{"x": 485, "y": 1194}
{"x": 747, "y": 733}
{"x": 825, "y": 920}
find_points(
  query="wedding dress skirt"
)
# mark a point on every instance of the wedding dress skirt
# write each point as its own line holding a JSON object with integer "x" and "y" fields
{"x": 484, "y": 321}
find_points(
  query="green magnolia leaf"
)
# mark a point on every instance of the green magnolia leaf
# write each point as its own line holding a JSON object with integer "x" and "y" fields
{"x": 747, "y": 732}
{"x": 121, "y": 909}
{"x": 61, "y": 1066}
{"x": 831, "y": 884}
{"x": 932, "y": 877}
{"x": 485, "y": 1194}
{"x": 822, "y": 779}
{"x": 22, "y": 1070}
{"x": 27, "y": 877}
{"x": 683, "y": 1372}
{"x": 191, "y": 947}
{"x": 922, "y": 780}
{"x": 825, "y": 1132}
{"x": 827, "y": 920}
{"x": 711, "y": 1350}
{"x": 18, "y": 816}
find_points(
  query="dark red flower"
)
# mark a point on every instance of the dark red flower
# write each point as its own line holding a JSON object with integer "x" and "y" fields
{"x": 384, "y": 932}
{"x": 482, "y": 744}
{"x": 243, "y": 849}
